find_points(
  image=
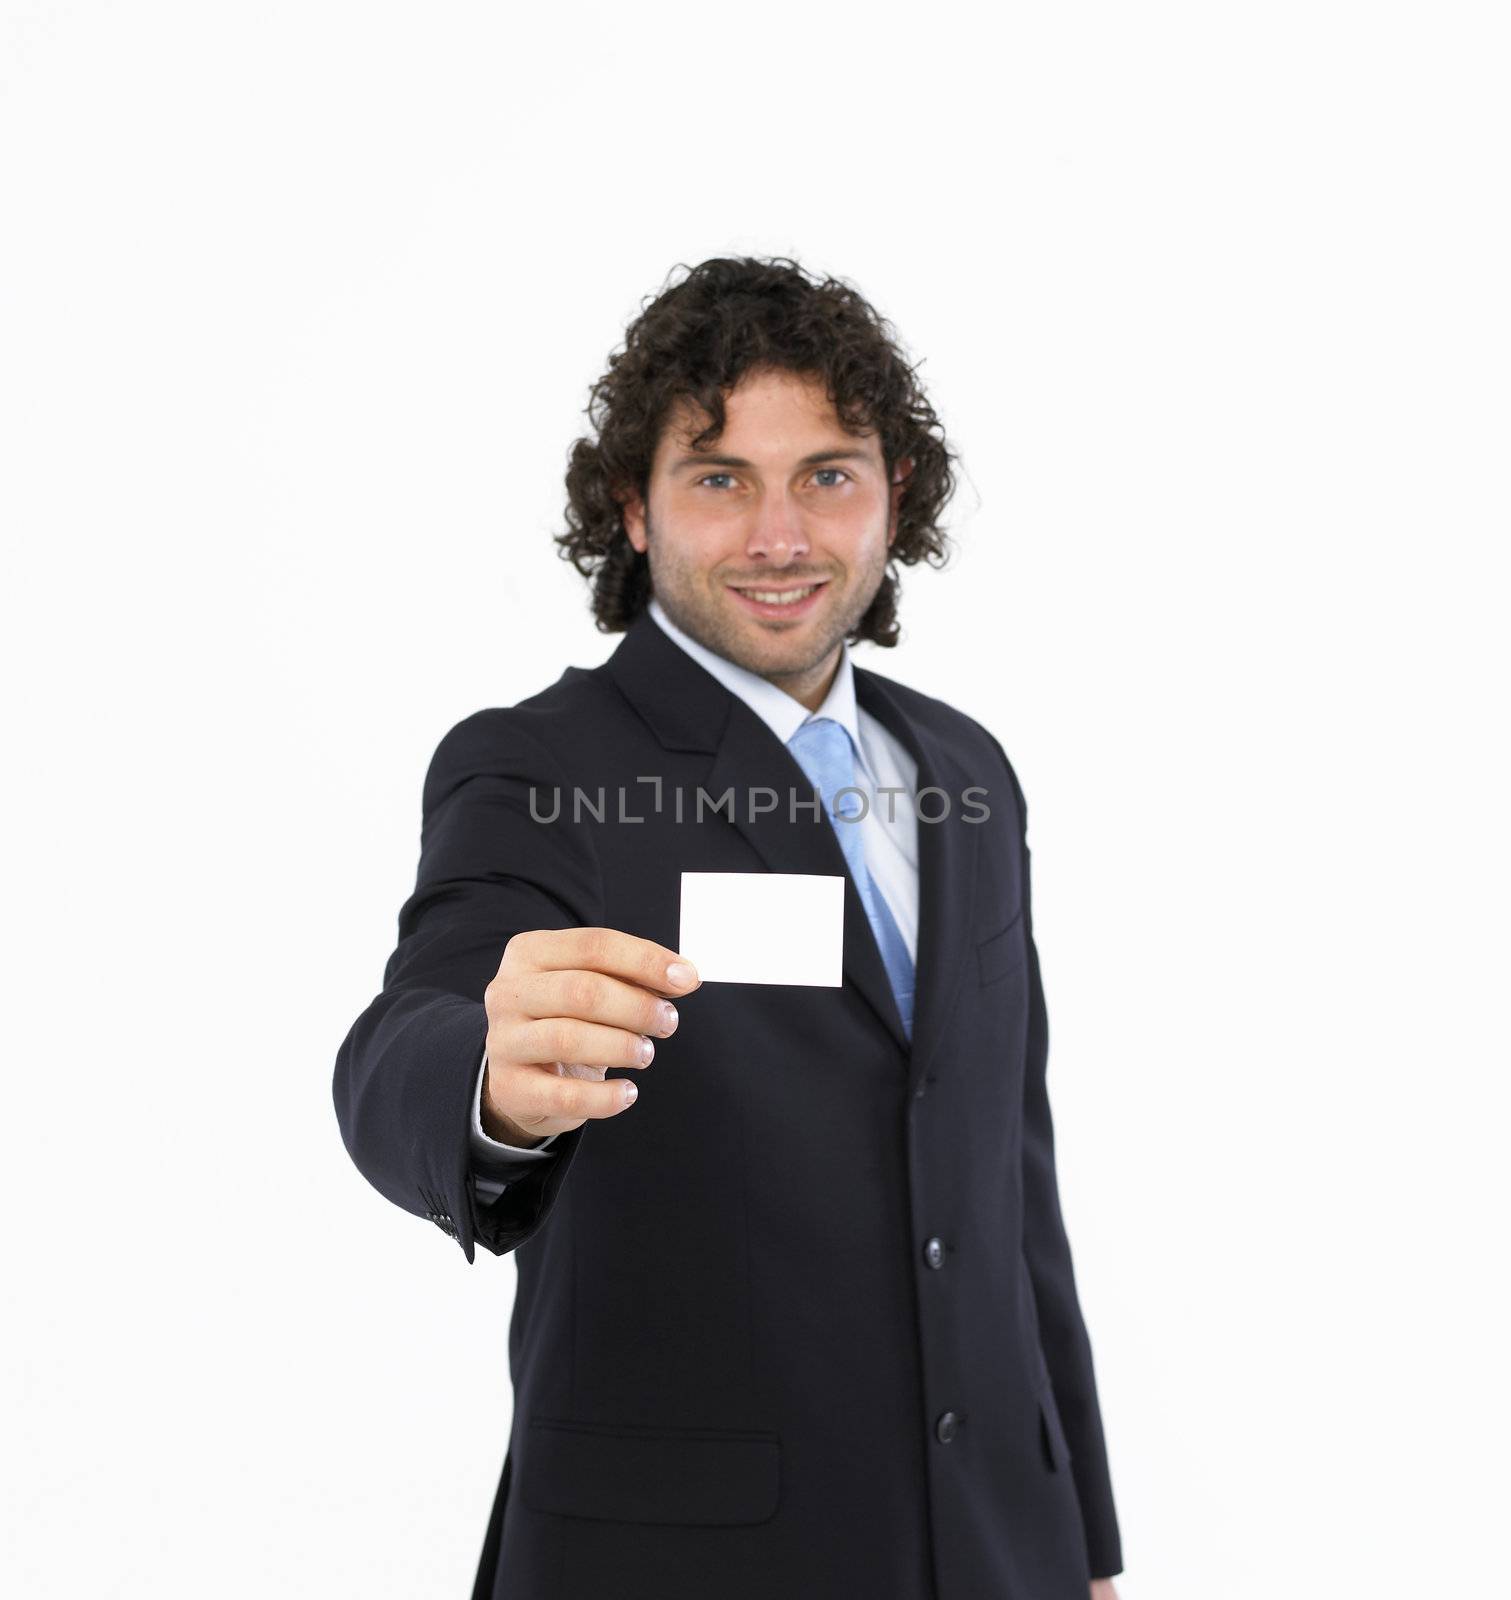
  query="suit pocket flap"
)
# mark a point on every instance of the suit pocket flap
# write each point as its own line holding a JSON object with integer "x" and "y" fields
{"x": 688, "y": 1476}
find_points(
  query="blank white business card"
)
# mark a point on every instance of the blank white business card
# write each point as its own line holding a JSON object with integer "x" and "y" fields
{"x": 764, "y": 927}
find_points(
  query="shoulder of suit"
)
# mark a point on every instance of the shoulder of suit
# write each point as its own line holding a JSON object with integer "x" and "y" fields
{"x": 524, "y": 735}
{"x": 958, "y": 727}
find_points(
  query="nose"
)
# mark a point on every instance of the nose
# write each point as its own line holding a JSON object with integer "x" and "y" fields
{"x": 776, "y": 535}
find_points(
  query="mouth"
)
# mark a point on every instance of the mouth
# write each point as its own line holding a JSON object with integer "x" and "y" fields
{"x": 779, "y": 600}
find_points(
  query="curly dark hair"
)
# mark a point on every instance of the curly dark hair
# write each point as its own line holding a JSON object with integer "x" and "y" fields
{"x": 695, "y": 340}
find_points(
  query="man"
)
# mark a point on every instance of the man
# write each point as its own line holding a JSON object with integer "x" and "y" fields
{"x": 799, "y": 1320}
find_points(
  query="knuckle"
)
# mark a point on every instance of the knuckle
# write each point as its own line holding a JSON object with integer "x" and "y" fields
{"x": 569, "y": 1099}
{"x": 552, "y": 1039}
{"x": 524, "y": 1041}
{"x": 493, "y": 998}
{"x": 580, "y": 992}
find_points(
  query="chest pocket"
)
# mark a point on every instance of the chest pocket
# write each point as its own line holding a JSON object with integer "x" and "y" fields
{"x": 1002, "y": 952}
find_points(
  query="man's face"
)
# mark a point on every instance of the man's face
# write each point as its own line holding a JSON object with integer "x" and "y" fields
{"x": 770, "y": 545}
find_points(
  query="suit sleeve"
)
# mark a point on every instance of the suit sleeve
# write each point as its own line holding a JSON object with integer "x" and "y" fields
{"x": 406, "y": 1074}
{"x": 1062, "y": 1330}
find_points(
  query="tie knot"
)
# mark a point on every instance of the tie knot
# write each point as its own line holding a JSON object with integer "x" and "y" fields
{"x": 823, "y": 733}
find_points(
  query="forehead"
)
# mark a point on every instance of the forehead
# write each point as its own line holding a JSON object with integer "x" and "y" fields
{"x": 770, "y": 410}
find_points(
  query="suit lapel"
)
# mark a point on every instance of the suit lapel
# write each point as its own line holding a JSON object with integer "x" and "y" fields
{"x": 946, "y": 868}
{"x": 689, "y": 710}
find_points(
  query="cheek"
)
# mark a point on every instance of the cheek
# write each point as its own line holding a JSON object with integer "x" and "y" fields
{"x": 694, "y": 545}
{"x": 860, "y": 509}
{"x": 856, "y": 528}
{"x": 697, "y": 521}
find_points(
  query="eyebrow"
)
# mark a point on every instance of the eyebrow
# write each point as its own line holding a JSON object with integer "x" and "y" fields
{"x": 699, "y": 459}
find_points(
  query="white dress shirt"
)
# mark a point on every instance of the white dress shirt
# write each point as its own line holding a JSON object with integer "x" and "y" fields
{"x": 889, "y": 832}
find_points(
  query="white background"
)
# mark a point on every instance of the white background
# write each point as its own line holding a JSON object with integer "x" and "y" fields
{"x": 301, "y": 306}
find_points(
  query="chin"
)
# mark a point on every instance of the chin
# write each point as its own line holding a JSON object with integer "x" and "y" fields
{"x": 790, "y": 656}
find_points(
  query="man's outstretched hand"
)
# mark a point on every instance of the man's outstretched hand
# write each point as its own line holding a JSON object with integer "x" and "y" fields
{"x": 564, "y": 1006}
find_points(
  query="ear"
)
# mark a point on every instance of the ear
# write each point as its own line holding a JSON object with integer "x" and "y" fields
{"x": 632, "y": 513}
{"x": 900, "y": 475}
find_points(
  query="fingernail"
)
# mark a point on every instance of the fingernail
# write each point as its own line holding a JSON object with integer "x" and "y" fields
{"x": 630, "y": 1091}
{"x": 679, "y": 974}
{"x": 645, "y": 1051}
{"x": 668, "y": 1014}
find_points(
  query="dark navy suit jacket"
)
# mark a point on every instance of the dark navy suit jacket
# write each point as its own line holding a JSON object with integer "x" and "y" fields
{"x": 802, "y": 1321}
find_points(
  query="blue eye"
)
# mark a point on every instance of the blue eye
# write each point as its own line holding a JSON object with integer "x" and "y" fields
{"x": 707, "y": 476}
{"x": 840, "y": 470}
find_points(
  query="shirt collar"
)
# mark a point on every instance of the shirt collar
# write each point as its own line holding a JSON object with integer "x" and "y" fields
{"x": 783, "y": 714}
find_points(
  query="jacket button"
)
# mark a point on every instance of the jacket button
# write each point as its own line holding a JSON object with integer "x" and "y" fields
{"x": 933, "y": 1252}
{"x": 944, "y": 1429}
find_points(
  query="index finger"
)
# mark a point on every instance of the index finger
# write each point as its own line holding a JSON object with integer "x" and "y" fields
{"x": 621, "y": 955}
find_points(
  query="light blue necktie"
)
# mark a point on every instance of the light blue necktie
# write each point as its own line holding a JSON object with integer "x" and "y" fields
{"x": 823, "y": 750}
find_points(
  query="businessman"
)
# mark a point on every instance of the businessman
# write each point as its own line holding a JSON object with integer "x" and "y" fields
{"x": 796, "y": 1313}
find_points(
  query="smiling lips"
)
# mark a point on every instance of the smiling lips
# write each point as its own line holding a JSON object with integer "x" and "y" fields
{"x": 770, "y": 599}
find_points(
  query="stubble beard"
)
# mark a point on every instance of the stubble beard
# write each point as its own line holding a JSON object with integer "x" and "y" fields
{"x": 685, "y": 597}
